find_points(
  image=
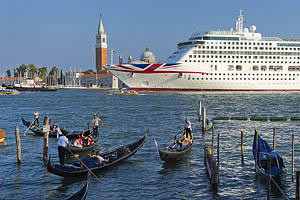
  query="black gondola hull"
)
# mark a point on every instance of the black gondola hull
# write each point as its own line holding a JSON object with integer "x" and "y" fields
{"x": 72, "y": 171}
{"x": 169, "y": 156}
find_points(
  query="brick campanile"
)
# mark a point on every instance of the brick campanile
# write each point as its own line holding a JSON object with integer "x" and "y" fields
{"x": 101, "y": 47}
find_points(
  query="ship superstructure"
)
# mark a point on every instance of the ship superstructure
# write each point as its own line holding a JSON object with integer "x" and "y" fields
{"x": 238, "y": 60}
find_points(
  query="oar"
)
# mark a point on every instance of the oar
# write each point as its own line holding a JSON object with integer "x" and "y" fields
{"x": 173, "y": 136}
{"x": 82, "y": 163}
{"x": 28, "y": 127}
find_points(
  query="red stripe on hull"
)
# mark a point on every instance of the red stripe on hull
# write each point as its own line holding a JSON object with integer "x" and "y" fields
{"x": 156, "y": 72}
{"x": 241, "y": 90}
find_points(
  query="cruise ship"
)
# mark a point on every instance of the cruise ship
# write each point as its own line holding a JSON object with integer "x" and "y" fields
{"x": 230, "y": 60}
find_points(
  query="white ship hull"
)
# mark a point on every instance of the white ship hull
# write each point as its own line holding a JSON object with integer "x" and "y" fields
{"x": 162, "y": 80}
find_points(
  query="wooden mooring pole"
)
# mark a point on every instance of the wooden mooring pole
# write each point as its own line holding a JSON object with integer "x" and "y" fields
{"x": 256, "y": 150}
{"x": 200, "y": 111}
{"x": 269, "y": 178}
{"x": 293, "y": 156}
{"x": 242, "y": 146}
{"x": 274, "y": 139}
{"x": 46, "y": 137}
{"x": 204, "y": 120}
{"x": 212, "y": 138}
{"x": 18, "y": 143}
{"x": 218, "y": 156}
{"x": 297, "y": 185}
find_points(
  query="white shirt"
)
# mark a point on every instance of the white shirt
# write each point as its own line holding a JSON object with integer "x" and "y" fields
{"x": 36, "y": 114}
{"x": 187, "y": 124}
{"x": 100, "y": 159}
{"x": 96, "y": 121}
{"x": 58, "y": 131}
{"x": 62, "y": 141}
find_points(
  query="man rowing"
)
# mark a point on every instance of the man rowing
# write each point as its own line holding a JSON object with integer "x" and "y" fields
{"x": 187, "y": 129}
{"x": 95, "y": 123}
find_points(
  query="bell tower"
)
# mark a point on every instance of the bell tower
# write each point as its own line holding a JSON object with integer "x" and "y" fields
{"x": 101, "y": 47}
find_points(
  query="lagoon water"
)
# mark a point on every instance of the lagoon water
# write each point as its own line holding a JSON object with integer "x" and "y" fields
{"x": 144, "y": 175}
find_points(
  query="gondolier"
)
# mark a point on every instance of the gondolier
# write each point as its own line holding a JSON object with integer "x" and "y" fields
{"x": 36, "y": 117}
{"x": 62, "y": 143}
{"x": 187, "y": 129}
{"x": 95, "y": 123}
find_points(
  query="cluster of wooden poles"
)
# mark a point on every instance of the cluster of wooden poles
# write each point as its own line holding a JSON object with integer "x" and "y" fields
{"x": 46, "y": 138}
{"x": 214, "y": 171}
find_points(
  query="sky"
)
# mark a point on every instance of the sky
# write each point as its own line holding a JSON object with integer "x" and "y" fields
{"x": 62, "y": 33}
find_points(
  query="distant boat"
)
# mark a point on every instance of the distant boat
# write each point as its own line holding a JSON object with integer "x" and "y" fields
{"x": 264, "y": 150}
{"x": 123, "y": 91}
{"x": 30, "y": 85}
{"x": 2, "y": 136}
{"x": 8, "y": 91}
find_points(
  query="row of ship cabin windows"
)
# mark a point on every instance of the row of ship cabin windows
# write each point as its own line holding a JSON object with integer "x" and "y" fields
{"x": 262, "y": 68}
{"x": 245, "y": 57}
{"x": 254, "y": 43}
{"x": 236, "y": 61}
{"x": 255, "y": 48}
{"x": 274, "y": 79}
{"x": 237, "y": 74}
{"x": 243, "y": 43}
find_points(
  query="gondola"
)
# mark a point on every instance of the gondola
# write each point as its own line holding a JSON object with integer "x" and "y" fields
{"x": 114, "y": 156}
{"x": 81, "y": 194}
{"x": 278, "y": 169}
{"x": 38, "y": 130}
{"x": 76, "y": 150}
{"x": 173, "y": 155}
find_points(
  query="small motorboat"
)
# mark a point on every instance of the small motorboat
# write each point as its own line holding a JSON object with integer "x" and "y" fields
{"x": 123, "y": 91}
{"x": 8, "y": 91}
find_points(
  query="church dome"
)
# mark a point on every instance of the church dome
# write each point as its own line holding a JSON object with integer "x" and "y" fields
{"x": 148, "y": 56}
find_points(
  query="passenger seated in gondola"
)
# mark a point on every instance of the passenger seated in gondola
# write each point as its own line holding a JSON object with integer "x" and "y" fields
{"x": 100, "y": 159}
{"x": 79, "y": 142}
{"x": 184, "y": 143}
{"x": 175, "y": 146}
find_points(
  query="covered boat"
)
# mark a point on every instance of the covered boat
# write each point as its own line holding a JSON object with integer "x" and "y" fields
{"x": 38, "y": 130}
{"x": 264, "y": 151}
{"x": 114, "y": 156}
{"x": 173, "y": 155}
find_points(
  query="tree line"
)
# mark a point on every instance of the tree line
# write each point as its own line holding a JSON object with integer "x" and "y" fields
{"x": 30, "y": 71}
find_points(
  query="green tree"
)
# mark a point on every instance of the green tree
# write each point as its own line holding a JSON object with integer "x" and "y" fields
{"x": 53, "y": 75}
{"x": 43, "y": 73}
{"x": 62, "y": 78}
{"x": 32, "y": 70}
{"x": 89, "y": 71}
{"x": 8, "y": 73}
{"x": 21, "y": 70}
